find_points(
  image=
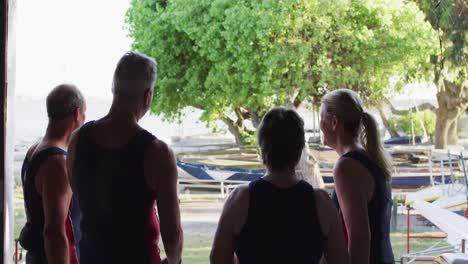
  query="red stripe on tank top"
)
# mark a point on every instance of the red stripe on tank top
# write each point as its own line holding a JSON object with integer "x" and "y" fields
{"x": 153, "y": 235}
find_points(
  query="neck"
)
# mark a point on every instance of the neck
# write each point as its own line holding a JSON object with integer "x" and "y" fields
{"x": 345, "y": 145}
{"x": 125, "y": 112}
{"x": 58, "y": 133}
{"x": 282, "y": 178}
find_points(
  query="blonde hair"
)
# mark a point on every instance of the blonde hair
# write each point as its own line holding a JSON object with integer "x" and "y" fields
{"x": 347, "y": 106}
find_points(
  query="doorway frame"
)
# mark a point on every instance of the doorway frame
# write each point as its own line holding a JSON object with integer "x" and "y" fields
{"x": 7, "y": 84}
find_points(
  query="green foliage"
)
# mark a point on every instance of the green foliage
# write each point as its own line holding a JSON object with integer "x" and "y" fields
{"x": 405, "y": 122}
{"x": 450, "y": 19}
{"x": 376, "y": 44}
{"x": 237, "y": 59}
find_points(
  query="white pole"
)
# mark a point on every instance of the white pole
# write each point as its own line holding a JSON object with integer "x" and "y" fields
{"x": 442, "y": 173}
{"x": 431, "y": 174}
{"x": 222, "y": 190}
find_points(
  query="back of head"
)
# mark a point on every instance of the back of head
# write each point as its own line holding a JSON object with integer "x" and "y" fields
{"x": 134, "y": 75}
{"x": 63, "y": 101}
{"x": 347, "y": 106}
{"x": 281, "y": 138}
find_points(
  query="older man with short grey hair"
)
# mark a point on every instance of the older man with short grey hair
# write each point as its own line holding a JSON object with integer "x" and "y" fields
{"x": 120, "y": 171}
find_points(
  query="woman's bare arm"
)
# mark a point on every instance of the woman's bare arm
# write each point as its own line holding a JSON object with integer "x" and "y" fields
{"x": 353, "y": 198}
{"x": 230, "y": 224}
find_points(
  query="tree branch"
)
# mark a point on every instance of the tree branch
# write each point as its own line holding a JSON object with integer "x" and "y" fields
{"x": 255, "y": 118}
{"x": 198, "y": 106}
{"x": 232, "y": 127}
{"x": 423, "y": 106}
{"x": 386, "y": 122}
{"x": 299, "y": 99}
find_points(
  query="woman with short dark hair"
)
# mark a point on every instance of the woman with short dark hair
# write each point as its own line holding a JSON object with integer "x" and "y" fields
{"x": 279, "y": 218}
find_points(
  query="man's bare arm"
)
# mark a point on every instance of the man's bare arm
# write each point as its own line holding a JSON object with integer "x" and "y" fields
{"x": 161, "y": 175}
{"x": 56, "y": 195}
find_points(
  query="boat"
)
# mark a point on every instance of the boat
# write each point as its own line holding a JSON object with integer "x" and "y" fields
{"x": 452, "y": 197}
{"x": 405, "y": 178}
{"x": 415, "y": 166}
{"x": 446, "y": 207}
{"x": 403, "y": 140}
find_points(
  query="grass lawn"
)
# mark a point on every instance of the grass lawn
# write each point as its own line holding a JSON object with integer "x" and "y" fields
{"x": 399, "y": 243}
{"x": 20, "y": 217}
{"x": 196, "y": 248}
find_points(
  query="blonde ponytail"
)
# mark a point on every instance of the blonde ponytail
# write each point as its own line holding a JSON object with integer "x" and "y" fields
{"x": 370, "y": 139}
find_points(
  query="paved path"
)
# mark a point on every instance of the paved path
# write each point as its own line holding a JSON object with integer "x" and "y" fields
{"x": 200, "y": 217}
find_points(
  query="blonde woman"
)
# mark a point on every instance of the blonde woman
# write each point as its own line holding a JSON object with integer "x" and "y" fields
{"x": 361, "y": 175}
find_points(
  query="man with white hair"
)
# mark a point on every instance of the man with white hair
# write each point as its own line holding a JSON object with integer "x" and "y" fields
{"x": 120, "y": 172}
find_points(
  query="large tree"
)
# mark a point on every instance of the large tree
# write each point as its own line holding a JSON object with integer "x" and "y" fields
{"x": 236, "y": 59}
{"x": 450, "y": 19}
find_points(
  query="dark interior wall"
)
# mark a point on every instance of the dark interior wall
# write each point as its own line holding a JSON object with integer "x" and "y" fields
{"x": 7, "y": 83}
{"x": 3, "y": 72}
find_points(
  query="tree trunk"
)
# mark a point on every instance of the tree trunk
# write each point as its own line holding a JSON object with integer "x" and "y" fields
{"x": 453, "y": 101}
{"x": 255, "y": 118}
{"x": 452, "y": 134}
{"x": 235, "y": 128}
{"x": 235, "y": 132}
{"x": 386, "y": 123}
{"x": 446, "y": 122}
{"x": 441, "y": 130}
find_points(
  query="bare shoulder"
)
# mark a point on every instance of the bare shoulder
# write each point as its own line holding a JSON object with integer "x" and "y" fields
{"x": 53, "y": 170}
{"x": 344, "y": 164}
{"x": 350, "y": 172}
{"x": 236, "y": 208}
{"x": 74, "y": 135}
{"x": 239, "y": 197}
{"x": 74, "y": 138}
{"x": 56, "y": 162}
{"x": 322, "y": 196}
{"x": 158, "y": 154}
{"x": 324, "y": 202}
{"x": 160, "y": 150}
{"x": 160, "y": 166}
{"x": 31, "y": 151}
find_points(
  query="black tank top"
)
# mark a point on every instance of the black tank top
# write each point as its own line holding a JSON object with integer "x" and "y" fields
{"x": 31, "y": 237}
{"x": 379, "y": 211}
{"x": 118, "y": 216}
{"x": 282, "y": 225}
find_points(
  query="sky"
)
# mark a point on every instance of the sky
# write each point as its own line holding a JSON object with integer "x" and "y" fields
{"x": 70, "y": 41}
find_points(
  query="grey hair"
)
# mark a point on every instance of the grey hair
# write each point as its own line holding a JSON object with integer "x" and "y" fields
{"x": 134, "y": 74}
{"x": 63, "y": 100}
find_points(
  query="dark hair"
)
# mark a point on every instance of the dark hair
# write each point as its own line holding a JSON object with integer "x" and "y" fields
{"x": 62, "y": 101}
{"x": 281, "y": 138}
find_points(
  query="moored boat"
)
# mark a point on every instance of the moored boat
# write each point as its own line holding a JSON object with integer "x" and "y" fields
{"x": 405, "y": 178}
